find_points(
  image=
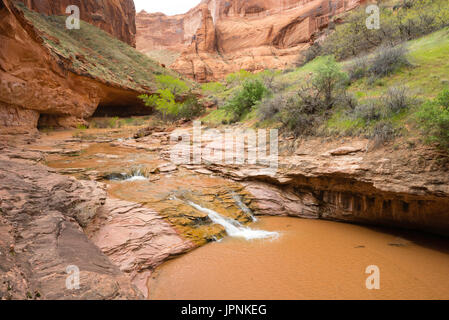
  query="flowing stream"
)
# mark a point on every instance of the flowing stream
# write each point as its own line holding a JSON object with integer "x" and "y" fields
{"x": 234, "y": 228}
{"x": 264, "y": 258}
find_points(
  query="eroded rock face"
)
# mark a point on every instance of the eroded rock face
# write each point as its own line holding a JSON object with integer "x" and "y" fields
{"x": 135, "y": 238}
{"x": 219, "y": 37}
{"x": 41, "y": 214}
{"x": 114, "y": 16}
{"x": 38, "y": 86}
{"x": 348, "y": 181}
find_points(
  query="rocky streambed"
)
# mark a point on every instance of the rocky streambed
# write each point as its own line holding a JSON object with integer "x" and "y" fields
{"x": 115, "y": 205}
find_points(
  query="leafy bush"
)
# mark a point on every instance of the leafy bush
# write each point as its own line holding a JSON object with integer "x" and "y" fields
{"x": 165, "y": 103}
{"x": 433, "y": 119}
{"x": 174, "y": 85}
{"x": 244, "y": 99}
{"x": 387, "y": 60}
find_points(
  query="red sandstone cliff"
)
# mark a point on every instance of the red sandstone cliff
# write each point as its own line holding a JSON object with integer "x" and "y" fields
{"x": 114, "y": 16}
{"x": 219, "y": 37}
{"x": 60, "y": 82}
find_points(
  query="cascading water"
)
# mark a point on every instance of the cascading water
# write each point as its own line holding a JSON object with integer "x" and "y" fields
{"x": 242, "y": 206}
{"x": 233, "y": 227}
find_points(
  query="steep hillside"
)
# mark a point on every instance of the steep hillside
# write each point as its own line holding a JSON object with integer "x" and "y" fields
{"x": 219, "y": 37}
{"x": 58, "y": 77}
{"x": 113, "y": 16}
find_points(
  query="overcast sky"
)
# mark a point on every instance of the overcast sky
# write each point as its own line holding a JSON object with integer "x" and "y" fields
{"x": 169, "y": 7}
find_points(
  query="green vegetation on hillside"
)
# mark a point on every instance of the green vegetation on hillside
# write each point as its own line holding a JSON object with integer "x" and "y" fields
{"x": 384, "y": 94}
{"x": 95, "y": 52}
{"x": 399, "y": 21}
{"x": 173, "y": 100}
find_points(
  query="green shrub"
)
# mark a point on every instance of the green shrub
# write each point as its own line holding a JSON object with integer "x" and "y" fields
{"x": 329, "y": 82}
{"x": 443, "y": 98}
{"x": 174, "y": 85}
{"x": 244, "y": 99}
{"x": 433, "y": 119}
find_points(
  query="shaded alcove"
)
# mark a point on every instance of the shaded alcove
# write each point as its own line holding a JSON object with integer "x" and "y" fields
{"x": 121, "y": 103}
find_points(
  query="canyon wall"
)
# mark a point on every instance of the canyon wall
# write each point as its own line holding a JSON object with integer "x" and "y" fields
{"x": 219, "y": 37}
{"x": 114, "y": 16}
{"x": 50, "y": 76}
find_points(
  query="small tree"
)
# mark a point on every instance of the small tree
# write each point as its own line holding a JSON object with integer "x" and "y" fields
{"x": 176, "y": 86}
{"x": 328, "y": 81}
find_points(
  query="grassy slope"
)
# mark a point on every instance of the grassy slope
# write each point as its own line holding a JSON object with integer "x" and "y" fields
{"x": 96, "y": 52}
{"x": 426, "y": 78}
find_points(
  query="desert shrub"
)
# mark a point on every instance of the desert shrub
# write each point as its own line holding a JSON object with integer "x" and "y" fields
{"x": 369, "y": 110}
{"x": 397, "y": 99}
{"x": 269, "y": 107}
{"x": 383, "y": 132}
{"x": 243, "y": 100}
{"x": 296, "y": 117}
{"x": 433, "y": 120}
{"x": 268, "y": 78}
{"x": 408, "y": 20}
{"x": 191, "y": 108}
{"x": 309, "y": 54}
{"x": 313, "y": 102}
{"x": 358, "y": 68}
{"x": 328, "y": 84}
{"x": 387, "y": 60}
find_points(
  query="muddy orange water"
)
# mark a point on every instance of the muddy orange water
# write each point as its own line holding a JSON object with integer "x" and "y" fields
{"x": 311, "y": 260}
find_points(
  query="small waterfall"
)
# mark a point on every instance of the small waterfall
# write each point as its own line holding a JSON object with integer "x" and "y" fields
{"x": 238, "y": 200}
{"x": 233, "y": 227}
{"x": 135, "y": 175}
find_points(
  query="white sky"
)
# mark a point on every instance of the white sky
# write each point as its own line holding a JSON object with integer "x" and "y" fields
{"x": 169, "y": 7}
